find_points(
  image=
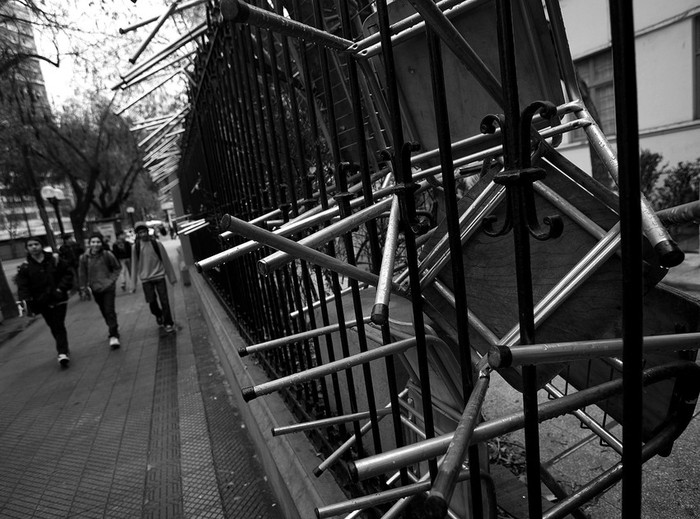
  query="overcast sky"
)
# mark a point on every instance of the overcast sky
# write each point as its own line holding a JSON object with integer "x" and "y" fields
{"x": 99, "y": 22}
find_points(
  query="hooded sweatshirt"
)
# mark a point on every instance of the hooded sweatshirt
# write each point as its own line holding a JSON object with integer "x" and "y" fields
{"x": 99, "y": 271}
{"x": 149, "y": 265}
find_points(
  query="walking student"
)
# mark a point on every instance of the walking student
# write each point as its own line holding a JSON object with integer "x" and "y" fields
{"x": 122, "y": 250}
{"x": 43, "y": 283}
{"x": 150, "y": 264}
{"x": 98, "y": 271}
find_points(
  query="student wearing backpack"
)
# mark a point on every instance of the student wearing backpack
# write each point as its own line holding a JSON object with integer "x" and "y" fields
{"x": 98, "y": 272}
{"x": 43, "y": 283}
{"x": 150, "y": 264}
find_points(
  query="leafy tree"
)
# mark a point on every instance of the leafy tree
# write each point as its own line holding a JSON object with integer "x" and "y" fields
{"x": 650, "y": 174}
{"x": 680, "y": 184}
{"x": 666, "y": 186}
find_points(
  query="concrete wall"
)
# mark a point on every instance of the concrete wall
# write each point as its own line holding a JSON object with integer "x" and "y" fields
{"x": 288, "y": 460}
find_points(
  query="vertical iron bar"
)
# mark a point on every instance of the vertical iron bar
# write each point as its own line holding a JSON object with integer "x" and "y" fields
{"x": 375, "y": 254}
{"x": 403, "y": 172}
{"x": 452, "y": 217}
{"x": 342, "y": 197}
{"x": 512, "y": 146}
{"x": 625, "y": 83}
{"x": 323, "y": 200}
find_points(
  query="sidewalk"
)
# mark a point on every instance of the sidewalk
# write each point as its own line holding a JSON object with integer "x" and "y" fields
{"x": 148, "y": 430}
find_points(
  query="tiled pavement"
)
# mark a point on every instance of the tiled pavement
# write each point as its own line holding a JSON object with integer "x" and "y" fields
{"x": 148, "y": 430}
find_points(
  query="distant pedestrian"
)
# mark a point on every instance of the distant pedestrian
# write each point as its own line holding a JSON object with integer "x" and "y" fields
{"x": 150, "y": 264}
{"x": 122, "y": 250}
{"x": 43, "y": 283}
{"x": 70, "y": 252}
{"x": 98, "y": 272}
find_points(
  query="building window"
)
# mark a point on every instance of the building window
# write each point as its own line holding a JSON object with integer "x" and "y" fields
{"x": 597, "y": 73}
{"x": 696, "y": 67}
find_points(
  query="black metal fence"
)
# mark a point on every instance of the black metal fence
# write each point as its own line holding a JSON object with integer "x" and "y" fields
{"x": 362, "y": 168}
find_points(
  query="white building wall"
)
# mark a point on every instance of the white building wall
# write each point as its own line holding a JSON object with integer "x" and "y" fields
{"x": 664, "y": 54}
{"x": 665, "y": 76}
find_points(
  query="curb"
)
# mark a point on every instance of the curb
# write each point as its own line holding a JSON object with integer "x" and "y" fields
{"x": 288, "y": 460}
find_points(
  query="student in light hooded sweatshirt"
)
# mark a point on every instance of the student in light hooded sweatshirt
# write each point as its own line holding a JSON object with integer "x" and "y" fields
{"x": 150, "y": 264}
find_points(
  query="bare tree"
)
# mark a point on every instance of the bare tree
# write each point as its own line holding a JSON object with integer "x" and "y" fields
{"x": 94, "y": 151}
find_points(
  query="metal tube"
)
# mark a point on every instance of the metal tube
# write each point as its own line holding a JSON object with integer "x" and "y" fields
{"x": 302, "y": 336}
{"x": 308, "y": 219}
{"x": 378, "y": 498}
{"x": 391, "y": 461}
{"x": 471, "y": 219}
{"x": 328, "y": 299}
{"x": 149, "y": 123}
{"x": 453, "y": 39}
{"x": 683, "y": 213}
{"x": 336, "y": 455}
{"x": 596, "y": 257}
{"x": 503, "y": 356}
{"x": 140, "y": 24}
{"x": 142, "y": 76}
{"x": 306, "y": 253}
{"x": 162, "y": 127}
{"x": 443, "y": 487}
{"x": 194, "y": 228}
{"x": 150, "y": 91}
{"x": 399, "y": 28}
{"x": 669, "y": 253}
{"x": 162, "y": 54}
{"x": 607, "y": 479}
{"x": 380, "y": 310}
{"x": 587, "y": 420}
{"x": 326, "y": 422}
{"x": 236, "y": 11}
{"x": 278, "y": 259}
{"x": 266, "y": 388}
{"x": 159, "y": 23}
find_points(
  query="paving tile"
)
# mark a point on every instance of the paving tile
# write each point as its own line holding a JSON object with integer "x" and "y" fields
{"x": 131, "y": 433}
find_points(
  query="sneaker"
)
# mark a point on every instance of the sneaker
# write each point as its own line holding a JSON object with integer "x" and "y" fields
{"x": 63, "y": 360}
{"x": 159, "y": 320}
{"x": 169, "y": 328}
{"x": 114, "y": 343}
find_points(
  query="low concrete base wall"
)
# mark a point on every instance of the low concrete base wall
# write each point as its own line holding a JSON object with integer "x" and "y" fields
{"x": 288, "y": 460}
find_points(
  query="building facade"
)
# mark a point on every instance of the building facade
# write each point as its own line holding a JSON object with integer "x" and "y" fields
{"x": 668, "y": 74}
{"x": 23, "y": 88}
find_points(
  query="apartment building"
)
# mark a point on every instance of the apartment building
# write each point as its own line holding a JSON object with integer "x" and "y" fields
{"x": 668, "y": 74}
{"x": 22, "y": 84}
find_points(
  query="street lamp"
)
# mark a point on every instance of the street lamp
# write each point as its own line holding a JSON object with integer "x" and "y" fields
{"x": 54, "y": 195}
{"x": 130, "y": 211}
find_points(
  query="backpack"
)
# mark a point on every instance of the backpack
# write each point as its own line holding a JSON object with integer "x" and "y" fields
{"x": 155, "y": 248}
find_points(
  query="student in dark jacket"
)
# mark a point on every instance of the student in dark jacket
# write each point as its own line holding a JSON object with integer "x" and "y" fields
{"x": 98, "y": 271}
{"x": 150, "y": 264}
{"x": 43, "y": 283}
{"x": 122, "y": 250}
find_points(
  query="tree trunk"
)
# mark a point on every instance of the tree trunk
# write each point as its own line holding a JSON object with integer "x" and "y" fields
{"x": 36, "y": 191}
{"x": 77, "y": 220}
{"x": 8, "y": 306}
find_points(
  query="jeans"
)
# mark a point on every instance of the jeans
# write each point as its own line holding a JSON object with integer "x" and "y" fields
{"x": 158, "y": 288}
{"x": 55, "y": 318}
{"x": 125, "y": 274}
{"x": 105, "y": 300}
